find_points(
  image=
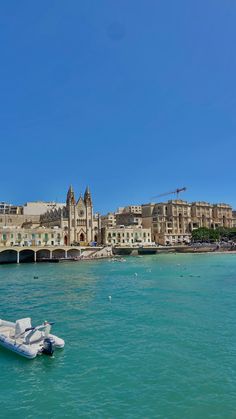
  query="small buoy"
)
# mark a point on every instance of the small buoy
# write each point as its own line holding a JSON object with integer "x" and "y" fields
{"x": 135, "y": 274}
{"x": 36, "y": 277}
{"x": 109, "y": 297}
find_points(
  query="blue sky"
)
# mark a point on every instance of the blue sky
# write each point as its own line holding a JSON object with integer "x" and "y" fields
{"x": 134, "y": 98}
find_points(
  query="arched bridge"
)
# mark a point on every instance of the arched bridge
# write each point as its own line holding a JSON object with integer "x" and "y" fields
{"x": 18, "y": 254}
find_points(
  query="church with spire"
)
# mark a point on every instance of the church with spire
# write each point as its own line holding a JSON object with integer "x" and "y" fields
{"x": 76, "y": 219}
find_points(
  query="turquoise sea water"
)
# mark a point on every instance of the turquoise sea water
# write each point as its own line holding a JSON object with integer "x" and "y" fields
{"x": 164, "y": 346}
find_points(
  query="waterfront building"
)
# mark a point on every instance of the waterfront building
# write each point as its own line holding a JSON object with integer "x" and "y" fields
{"x": 126, "y": 235}
{"x": 74, "y": 222}
{"x": 76, "y": 219}
{"x": 173, "y": 222}
{"x": 222, "y": 215}
{"x": 202, "y": 215}
{"x": 234, "y": 219}
{"x": 40, "y": 236}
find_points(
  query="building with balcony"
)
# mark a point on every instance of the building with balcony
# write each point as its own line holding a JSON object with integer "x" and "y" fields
{"x": 173, "y": 222}
{"x": 40, "y": 236}
{"x": 126, "y": 235}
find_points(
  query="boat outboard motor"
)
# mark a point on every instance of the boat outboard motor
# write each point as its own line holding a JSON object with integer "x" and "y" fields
{"x": 48, "y": 346}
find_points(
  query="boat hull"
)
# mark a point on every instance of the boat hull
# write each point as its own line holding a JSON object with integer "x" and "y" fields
{"x": 22, "y": 343}
{"x": 19, "y": 349}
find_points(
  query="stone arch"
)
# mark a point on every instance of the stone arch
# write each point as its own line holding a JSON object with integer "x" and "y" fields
{"x": 26, "y": 255}
{"x": 58, "y": 253}
{"x": 73, "y": 253}
{"x": 81, "y": 237}
{"x": 8, "y": 256}
{"x": 42, "y": 254}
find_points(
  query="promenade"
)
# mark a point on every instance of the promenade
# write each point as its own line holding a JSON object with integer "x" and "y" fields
{"x": 19, "y": 254}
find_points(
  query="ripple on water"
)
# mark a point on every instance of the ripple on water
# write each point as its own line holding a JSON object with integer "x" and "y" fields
{"x": 163, "y": 346}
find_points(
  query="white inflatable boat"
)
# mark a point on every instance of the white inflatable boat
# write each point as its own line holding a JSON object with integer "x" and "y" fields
{"x": 28, "y": 341}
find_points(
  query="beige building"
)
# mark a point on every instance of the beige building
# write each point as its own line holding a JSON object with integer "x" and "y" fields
{"x": 133, "y": 209}
{"x": 38, "y": 223}
{"x": 202, "y": 215}
{"x": 211, "y": 215}
{"x": 222, "y": 215}
{"x": 76, "y": 219}
{"x": 6, "y": 208}
{"x": 234, "y": 219}
{"x": 40, "y": 236}
{"x": 19, "y": 220}
{"x": 126, "y": 235}
{"x": 40, "y": 207}
{"x": 130, "y": 215}
{"x": 108, "y": 220}
{"x": 173, "y": 222}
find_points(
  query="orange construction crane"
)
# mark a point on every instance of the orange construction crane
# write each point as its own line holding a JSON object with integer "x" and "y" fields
{"x": 177, "y": 192}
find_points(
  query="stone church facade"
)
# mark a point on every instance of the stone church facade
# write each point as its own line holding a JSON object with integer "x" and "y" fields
{"x": 75, "y": 219}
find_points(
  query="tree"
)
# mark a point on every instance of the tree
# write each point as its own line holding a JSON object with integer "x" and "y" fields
{"x": 201, "y": 234}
